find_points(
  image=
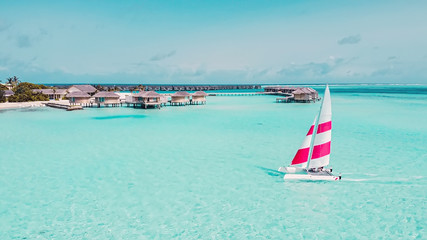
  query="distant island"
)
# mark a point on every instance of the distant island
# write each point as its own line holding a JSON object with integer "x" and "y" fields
{"x": 86, "y": 95}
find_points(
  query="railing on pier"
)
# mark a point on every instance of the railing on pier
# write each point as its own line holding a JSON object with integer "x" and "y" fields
{"x": 64, "y": 106}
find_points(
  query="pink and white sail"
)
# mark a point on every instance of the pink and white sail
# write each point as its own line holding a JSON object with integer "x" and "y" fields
{"x": 320, "y": 149}
{"x": 301, "y": 157}
{"x": 322, "y": 140}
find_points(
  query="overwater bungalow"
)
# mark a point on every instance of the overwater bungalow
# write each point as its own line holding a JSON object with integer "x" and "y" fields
{"x": 302, "y": 95}
{"x": 79, "y": 98}
{"x": 163, "y": 100}
{"x": 89, "y": 89}
{"x": 314, "y": 94}
{"x": 107, "y": 99}
{"x": 52, "y": 94}
{"x": 292, "y": 94}
{"x": 180, "y": 98}
{"x": 198, "y": 97}
{"x": 145, "y": 99}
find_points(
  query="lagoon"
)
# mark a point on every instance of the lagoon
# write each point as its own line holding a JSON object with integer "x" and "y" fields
{"x": 209, "y": 171}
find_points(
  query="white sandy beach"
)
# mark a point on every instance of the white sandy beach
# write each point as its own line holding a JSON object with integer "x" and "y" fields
{"x": 12, "y": 105}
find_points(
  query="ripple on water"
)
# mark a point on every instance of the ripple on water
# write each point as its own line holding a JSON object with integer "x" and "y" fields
{"x": 210, "y": 172}
{"x": 118, "y": 117}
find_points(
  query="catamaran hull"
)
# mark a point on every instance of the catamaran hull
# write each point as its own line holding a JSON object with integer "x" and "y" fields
{"x": 292, "y": 169}
{"x": 309, "y": 177}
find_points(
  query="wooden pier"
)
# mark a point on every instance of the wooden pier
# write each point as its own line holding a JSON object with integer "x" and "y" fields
{"x": 64, "y": 106}
{"x": 237, "y": 94}
{"x": 145, "y": 105}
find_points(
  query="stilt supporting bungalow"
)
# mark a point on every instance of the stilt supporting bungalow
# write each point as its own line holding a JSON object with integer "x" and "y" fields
{"x": 145, "y": 100}
{"x": 198, "y": 97}
{"x": 79, "y": 98}
{"x": 292, "y": 94}
{"x": 107, "y": 99}
{"x": 181, "y": 98}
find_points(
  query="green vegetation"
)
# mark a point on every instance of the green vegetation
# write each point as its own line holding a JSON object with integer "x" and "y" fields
{"x": 137, "y": 88}
{"x": 2, "y": 97}
{"x": 99, "y": 87}
{"x": 113, "y": 88}
{"x": 23, "y": 91}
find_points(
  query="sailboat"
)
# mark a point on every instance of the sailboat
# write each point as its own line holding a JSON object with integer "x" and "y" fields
{"x": 312, "y": 158}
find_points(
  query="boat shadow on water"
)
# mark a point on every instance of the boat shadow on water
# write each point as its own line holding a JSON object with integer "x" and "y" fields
{"x": 271, "y": 172}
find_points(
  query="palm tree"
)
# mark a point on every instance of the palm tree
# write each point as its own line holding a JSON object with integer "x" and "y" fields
{"x": 141, "y": 87}
{"x": 14, "y": 81}
{"x": 99, "y": 87}
{"x": 54, "y": 93}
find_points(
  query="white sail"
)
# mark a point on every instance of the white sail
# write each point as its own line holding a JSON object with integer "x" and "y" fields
{"x": 322, "y": 138}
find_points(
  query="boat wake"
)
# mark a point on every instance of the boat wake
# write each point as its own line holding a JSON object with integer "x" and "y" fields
{"x": 354, "y": 180}
{"x": 385, "y": 180}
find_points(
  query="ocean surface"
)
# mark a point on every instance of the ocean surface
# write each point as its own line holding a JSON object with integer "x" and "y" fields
{"x": 209, "y": 171}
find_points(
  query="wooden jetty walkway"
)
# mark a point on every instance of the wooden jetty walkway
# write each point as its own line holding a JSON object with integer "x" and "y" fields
{"x": 64, "y": 106}
{"x": 237, "y": 94}
{"x": 285, "y": 99}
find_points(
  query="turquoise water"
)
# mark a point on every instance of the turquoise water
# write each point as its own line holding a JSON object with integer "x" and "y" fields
{"x": 209, "y": 171}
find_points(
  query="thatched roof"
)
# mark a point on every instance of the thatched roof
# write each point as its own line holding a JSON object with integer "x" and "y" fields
{"x": 139, "y": 94}
{"x": 85, "y": 88}
{"x": 150, "y": 94}
{"x": 60, "y": 91}
{"x": 107, "y": 95}
{"x": 200, "y": 94}
{"x": 8, "y": 93}
{"x": 312, "y": 90}
{"x": 298, "y": 91}
{"x": 306, "y": 90}
{"x": 78, "y": 95}
{"x": 181, "y": 94}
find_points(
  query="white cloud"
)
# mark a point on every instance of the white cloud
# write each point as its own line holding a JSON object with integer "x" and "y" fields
{"x": 162, "y": 56}
{"x": 353, "y": 39}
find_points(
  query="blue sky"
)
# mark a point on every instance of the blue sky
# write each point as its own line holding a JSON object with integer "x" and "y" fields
{"x": 191, "y": 42}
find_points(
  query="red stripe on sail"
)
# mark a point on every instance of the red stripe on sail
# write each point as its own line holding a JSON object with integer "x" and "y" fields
{"x": 321, "y": 150}
{"x": 301, "y": 156}
{"x": 310, "y": 131}
{"x": 323, "y": 127}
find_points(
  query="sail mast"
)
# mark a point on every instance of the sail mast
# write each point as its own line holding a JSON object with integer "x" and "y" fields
{"x": 314, "y": 133}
